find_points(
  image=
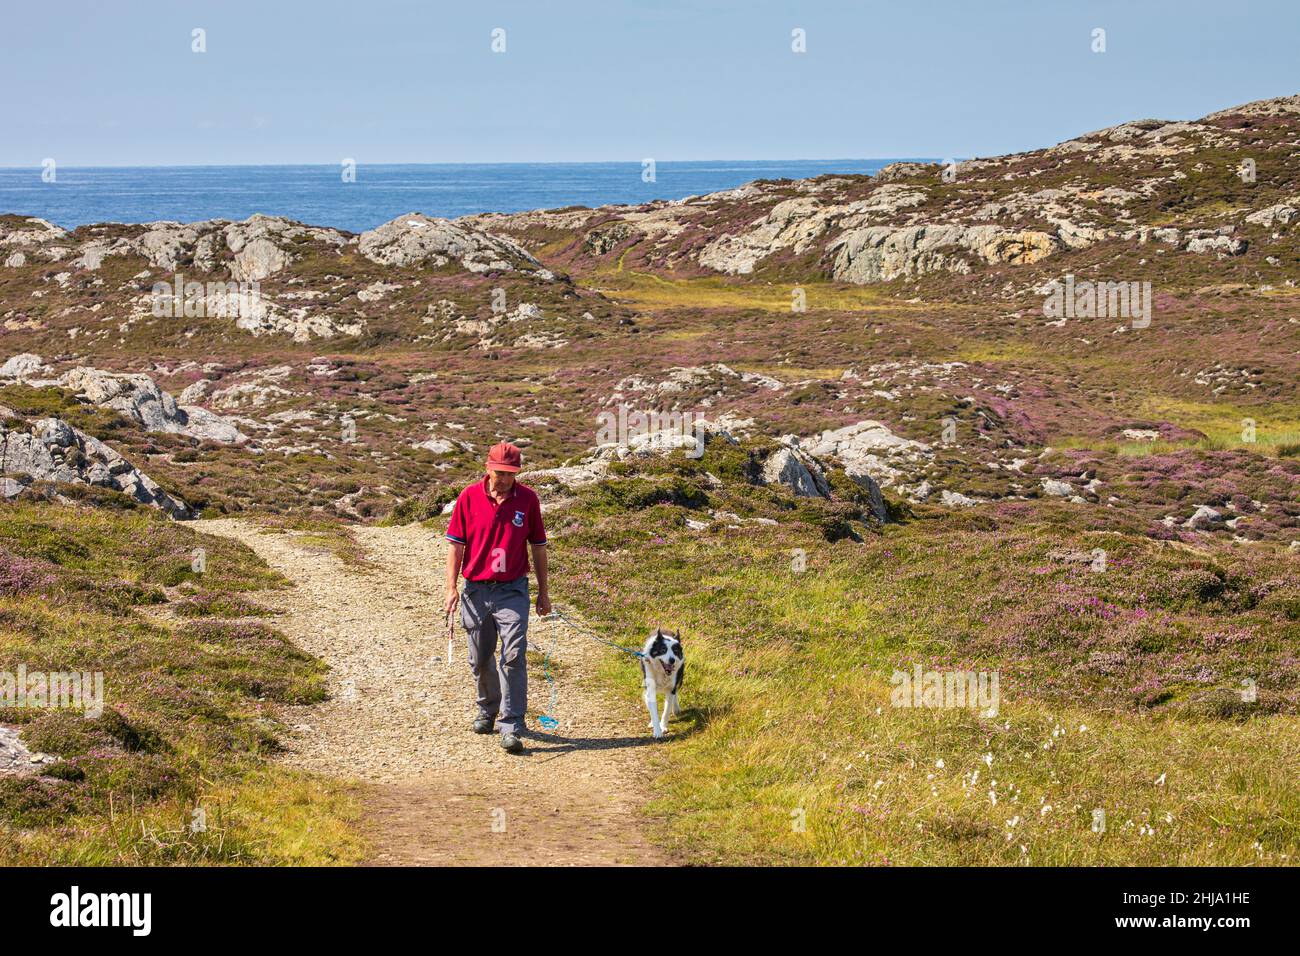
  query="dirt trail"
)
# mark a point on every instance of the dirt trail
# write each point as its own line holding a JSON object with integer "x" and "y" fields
{"x": 398, "y": 717}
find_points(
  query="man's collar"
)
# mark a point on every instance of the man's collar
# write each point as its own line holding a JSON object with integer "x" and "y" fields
{"x": 514, "y": 485}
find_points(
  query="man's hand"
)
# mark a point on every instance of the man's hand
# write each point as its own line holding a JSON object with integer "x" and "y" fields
{"x": 455, "y": 557}
{"x": 540, "y": 563}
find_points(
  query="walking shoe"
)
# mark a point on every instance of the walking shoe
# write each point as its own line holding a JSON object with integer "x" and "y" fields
{"x": 511, "y": 744}
{"x": 483, "y": 725}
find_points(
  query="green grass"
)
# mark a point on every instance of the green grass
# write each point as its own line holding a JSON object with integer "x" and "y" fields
{"x": 646, "y": 290}
{"x": 1225, "y": 424}
{"x": 789, "y": 750}
{"x": 190, "y": 708}
{"x": 326, "y": 535}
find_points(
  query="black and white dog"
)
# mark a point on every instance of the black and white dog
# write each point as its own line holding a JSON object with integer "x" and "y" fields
{"x": 663, "y": 667}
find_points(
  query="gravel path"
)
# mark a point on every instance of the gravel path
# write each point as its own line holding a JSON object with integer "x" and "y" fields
{"x": 398, "y": 717}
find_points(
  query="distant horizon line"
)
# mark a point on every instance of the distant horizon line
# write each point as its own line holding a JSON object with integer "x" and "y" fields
{"x": 565, "y": 162}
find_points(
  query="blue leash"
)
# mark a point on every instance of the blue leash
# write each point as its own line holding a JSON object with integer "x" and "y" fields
{"x": 594, "y": 636}
{"x": 548, "y": 721}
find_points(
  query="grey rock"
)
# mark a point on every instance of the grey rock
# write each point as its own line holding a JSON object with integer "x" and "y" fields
{"x": 32, "y": 232}
{"x": 1205, "y": 518}
{"x": 15, "y": 757}
{"x": 417, "y": 239}
{"x": 1057, "y": 488}
{"x": 23, "y": 366}
{"x": 797, "y": 472}
{"x": 439, "y": 446}
{"x": 257, "y": 260}
{"x": 55, "y": 431}
{"x": 870, "y": 451}
{"x": 55, "y": 451}
{"x": 1221, "y": 245}
{"x": 881, "y": 253}
{"x": 138, "y": 398}
{"x": 1282, "y": 213}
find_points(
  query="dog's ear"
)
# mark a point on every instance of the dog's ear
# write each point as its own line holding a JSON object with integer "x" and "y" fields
{"x": 659, "y": 631}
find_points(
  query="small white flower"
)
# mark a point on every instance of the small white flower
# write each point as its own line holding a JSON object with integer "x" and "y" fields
{"x": 1160, "y": 780}
{"x": 939, "y": 763}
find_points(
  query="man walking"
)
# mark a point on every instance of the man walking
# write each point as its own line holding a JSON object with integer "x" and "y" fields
{"x": 493, "y": 525}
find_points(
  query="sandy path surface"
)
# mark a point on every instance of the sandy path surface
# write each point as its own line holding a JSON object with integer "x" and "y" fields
{"x": 398, "y": 717}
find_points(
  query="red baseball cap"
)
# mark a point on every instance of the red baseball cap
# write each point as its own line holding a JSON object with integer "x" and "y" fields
{"x": 503, "y": 457}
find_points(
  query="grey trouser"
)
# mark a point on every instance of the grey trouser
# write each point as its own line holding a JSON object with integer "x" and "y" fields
{"x": 489, "y": 609}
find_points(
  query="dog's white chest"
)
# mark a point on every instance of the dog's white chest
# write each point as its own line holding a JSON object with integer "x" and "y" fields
{"x": 659, "y": 672}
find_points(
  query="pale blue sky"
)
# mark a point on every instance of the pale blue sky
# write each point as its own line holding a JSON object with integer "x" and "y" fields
{"x": 115, "y": 83}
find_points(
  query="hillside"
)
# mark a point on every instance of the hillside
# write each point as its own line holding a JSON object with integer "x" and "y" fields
{"x": 1033, "y": 414}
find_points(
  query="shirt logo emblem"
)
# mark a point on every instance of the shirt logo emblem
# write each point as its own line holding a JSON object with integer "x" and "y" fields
{"x": 518, "y": 520}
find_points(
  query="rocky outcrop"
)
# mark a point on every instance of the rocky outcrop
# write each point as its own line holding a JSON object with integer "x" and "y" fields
{"x": 917, "y": 218}
{"x": 16, "y": 759}
{"x": 249, "y": 251}
{"x": 595, "y": 466}
{"x": 1217, "y": 244}
{"x": 1204, "y": 518}
{"x": 136, "y": 397}
{"x": 716, "y": 378}
{"x": 795, "y": 470}
{"x": 882, "y": 253}
{"x": 30, "y": 232}
{"x": 261, "y": 316}
{"x": 139, "y": 399}
{"x": 50, "y": 449}
{"x": 794, "y": 223}
{"x": 417, "y": 239}
{"x": 870, "y": 451}
{"x": 797, "y": 225}
{"x": 1279, "y": 214}
{"x": 24, "y": 366}
{"x": 1276, "y": 106}
{"x": 259, "y": 245}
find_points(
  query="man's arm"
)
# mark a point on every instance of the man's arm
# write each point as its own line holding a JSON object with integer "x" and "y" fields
{"x": 455, "y": 556}
{"x": 543, "y": 584}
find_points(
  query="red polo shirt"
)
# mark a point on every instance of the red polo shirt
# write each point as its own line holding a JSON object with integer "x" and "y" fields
{"x": 496, "y": 536}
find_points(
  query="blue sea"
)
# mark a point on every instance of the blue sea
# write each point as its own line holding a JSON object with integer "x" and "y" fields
{"x": 318, "y": 195}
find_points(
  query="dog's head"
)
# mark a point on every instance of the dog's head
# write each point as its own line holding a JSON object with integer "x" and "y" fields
{"x": 666, "y": 648}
